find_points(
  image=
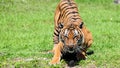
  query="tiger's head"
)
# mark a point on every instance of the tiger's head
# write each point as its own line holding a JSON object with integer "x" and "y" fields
{"x": 72, "y": 37}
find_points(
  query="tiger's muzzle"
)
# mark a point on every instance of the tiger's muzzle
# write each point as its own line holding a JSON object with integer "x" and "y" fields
{"x": 74, "y": 49}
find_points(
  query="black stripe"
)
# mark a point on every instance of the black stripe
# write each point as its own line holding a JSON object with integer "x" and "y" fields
{"x": 75, "y": 18}
{"x": 67, "y": 13}
{"x": 57, "y": 30}
{"x": 65, "y": 3}
{"x": 73, "y": 12}
{"x": 64, "y": 13}
{"x": 72, "y": 17}
{"x": 56, "y": 34}
{"x": 66, "y": 7}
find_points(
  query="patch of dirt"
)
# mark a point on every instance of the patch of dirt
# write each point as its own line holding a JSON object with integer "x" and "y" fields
{"x": 91, "y": 66}
{"x": 28, "y": 59}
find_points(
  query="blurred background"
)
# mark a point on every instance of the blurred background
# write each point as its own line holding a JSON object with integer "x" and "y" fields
{"x": 26, "y": 33}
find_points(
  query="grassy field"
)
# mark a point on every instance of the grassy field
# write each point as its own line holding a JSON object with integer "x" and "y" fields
{"x": 26, "y": 29}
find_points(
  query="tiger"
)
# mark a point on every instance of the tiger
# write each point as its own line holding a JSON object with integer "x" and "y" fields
{"x": 70, "y": 33}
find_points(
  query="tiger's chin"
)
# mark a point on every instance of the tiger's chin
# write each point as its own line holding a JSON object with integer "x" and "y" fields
{"x": 71, "y": 51}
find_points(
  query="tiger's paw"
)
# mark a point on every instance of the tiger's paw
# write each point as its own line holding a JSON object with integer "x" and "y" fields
{"x": 55, "y": 60}
{"x": 83, "y": 56}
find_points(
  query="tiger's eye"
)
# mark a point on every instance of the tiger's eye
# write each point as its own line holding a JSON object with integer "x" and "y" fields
{"x": 60, "y": 25}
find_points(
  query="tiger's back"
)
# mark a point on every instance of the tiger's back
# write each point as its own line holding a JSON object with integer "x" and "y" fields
{"x": 66, "y": 13}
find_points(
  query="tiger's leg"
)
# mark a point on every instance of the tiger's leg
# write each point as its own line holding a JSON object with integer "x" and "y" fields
{"x": 87, "y": 43}
{"x": 57, "y": 53}
{"x": 88, "y": 38}
{"x": 57, "y": 47}
{"x": 56, "y": 29}
{"x": 81, "y": 55}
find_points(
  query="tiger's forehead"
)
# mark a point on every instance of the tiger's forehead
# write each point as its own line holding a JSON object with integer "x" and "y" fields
{"x": 71, "y": 30}
{"x": 70, "y": 26}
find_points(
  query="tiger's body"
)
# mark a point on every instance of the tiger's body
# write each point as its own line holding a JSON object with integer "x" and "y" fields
{"x": 70, "y": 33}
{"x": 66, "y": 13}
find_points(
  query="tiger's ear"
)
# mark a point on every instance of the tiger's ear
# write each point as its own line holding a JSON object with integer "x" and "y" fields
{"x": 81, "y": 25}
{"x": 60, "y": 25}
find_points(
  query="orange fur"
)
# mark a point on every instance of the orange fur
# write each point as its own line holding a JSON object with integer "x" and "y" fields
{"x": 88, "y": 37}
{"x": 57, "y": 53}
{"x": 67, "y": 21}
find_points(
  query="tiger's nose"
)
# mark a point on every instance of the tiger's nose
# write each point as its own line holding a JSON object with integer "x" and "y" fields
{"x": 71, "y": 47}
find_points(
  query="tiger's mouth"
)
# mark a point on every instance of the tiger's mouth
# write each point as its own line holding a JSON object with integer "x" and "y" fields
{"x": 69, "y": 50}
{"x": 72, "y": 49}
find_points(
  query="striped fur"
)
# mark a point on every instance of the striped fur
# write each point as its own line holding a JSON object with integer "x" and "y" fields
{"x": 70, "y": 33}
{"x": 66, "y": 14}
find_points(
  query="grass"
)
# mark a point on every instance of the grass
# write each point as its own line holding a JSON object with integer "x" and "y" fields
{"x": 26, "y": 29}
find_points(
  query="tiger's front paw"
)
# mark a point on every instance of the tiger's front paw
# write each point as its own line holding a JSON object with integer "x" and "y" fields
{"x": 55, "y": 60}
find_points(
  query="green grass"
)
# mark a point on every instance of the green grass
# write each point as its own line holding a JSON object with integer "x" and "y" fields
{"x": 26, "y": 29}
